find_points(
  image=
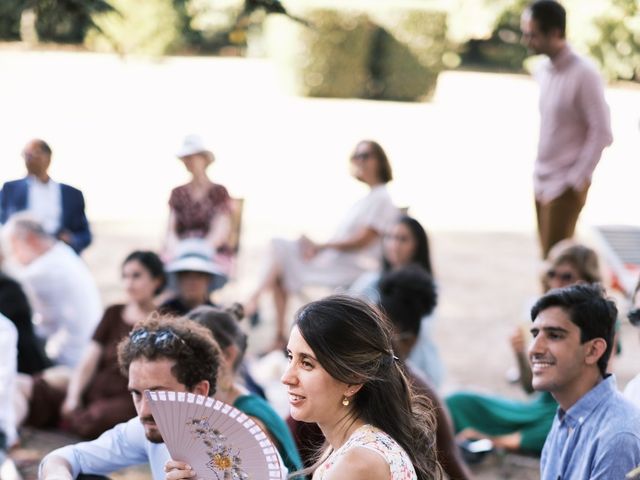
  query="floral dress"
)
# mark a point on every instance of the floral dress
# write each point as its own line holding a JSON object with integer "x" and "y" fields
{"x": 374, "y": 439}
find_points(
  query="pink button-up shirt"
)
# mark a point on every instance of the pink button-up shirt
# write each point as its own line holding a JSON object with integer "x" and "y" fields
{"x": 575, "y": 125}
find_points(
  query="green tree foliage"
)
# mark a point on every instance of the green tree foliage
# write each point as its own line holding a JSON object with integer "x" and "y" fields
{"x": 617, "y": 46}
{"x": 64, "y": 21}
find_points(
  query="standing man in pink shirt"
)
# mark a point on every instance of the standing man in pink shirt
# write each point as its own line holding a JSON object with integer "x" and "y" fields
{"x": 575, "y": 125}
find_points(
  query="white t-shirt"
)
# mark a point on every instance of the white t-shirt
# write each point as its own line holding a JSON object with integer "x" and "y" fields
{"x": 65, "y": 301}
{"x": 8, "y": 372}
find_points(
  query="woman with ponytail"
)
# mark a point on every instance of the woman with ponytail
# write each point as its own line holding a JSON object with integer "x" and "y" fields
{"x": 344, "y": 376}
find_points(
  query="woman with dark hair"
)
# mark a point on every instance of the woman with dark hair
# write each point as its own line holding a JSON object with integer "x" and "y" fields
{"x": 97, "y": 397}
{"x": 344, "y": 376}
{"x": 406, "y": 243}
{"x": 354, "y": 249}
{"x": 224, "y": 326}
{"x": 406, "y": 296}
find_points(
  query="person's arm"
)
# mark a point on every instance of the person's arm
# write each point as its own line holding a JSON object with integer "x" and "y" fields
{"x": 518, "y": 344}
{"x": 171, "y": 237}
{"x": 78, "y": 235}
{"x": 219, "y": 230}
{"x": 595, "y": 113}
{"x": 360, "y": 239}
{"x": 81, "y": 377}
{"x": 617, "y": 457}
{"x": 55, "y": 468}
{"x": 120, "y": 447}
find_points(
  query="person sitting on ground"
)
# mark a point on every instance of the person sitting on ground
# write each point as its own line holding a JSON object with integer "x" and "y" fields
{"x": 97, "y": 397}
{"x": 193, "y": 273}
{"x": 161, "y": 353}
{"x": 344, "y": 376}
{"x": 596, "y": 432}
{"x": 406, "y": 243}
{"x": 200, "y": 209}
{"x": 58, "y": 207}
{"x": 224, "y": 326}
{"x": 513, "y": 424}
{"x": 632, "y": 390}
{"x": 354, "y": 249}
{"x": 14, "y": 305}
{"x": 62, "y": 291}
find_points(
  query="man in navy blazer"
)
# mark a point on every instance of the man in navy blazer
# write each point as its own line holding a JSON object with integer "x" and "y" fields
{"x": 60, "y": 207}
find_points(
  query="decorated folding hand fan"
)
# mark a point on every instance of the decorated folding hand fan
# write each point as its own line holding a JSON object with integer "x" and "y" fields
{"x": 217, "y": 440}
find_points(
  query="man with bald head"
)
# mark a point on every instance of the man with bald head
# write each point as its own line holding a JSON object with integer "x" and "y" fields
{"x": 59, "y": 207}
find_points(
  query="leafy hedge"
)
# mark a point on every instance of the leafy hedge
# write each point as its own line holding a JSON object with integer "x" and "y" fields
{"x": 386, "y": 52}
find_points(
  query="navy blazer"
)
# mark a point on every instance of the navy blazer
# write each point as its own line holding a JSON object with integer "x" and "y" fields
{"x": 14, "y": 197}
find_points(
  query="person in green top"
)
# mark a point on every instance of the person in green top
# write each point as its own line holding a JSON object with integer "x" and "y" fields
{"x": 225, "y": 328}
{"x": 513, "y": 424}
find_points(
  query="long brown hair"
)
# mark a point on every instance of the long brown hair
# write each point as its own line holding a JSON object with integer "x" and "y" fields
{"x": 352, "y": 341}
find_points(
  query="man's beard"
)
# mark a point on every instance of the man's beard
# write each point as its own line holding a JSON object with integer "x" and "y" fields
{"x": 153, "y": 436}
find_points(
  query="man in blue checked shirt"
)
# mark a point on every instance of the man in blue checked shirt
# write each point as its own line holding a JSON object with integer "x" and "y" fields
{"x": 596, "y": 432}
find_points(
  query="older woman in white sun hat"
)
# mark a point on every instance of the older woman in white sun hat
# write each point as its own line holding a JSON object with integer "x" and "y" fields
{"x": 201, "y": 208}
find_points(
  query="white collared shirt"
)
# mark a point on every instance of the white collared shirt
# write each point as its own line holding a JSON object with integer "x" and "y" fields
{"x": 45, "y": 203}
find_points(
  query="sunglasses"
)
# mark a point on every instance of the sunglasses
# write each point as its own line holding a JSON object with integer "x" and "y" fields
{"x": 634, "y": 317}
{"x": 163, "y": 338}
{"x": 562, "y": 276}
{"x": 361, "y": 156}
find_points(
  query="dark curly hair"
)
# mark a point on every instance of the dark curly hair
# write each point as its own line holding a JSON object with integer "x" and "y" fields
{"x": 196, "y": 354}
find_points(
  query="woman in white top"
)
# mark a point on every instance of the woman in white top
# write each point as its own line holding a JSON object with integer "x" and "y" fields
{"x": 344, "y": 376}
{"x": 354, "y": 248}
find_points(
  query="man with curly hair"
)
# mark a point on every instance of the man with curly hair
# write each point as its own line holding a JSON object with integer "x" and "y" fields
{"x": 161, "y": 353}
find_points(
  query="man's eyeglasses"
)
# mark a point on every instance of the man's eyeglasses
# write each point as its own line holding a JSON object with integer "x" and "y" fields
{"x": 163, "y": 338}
{"x": 565, "y": 277}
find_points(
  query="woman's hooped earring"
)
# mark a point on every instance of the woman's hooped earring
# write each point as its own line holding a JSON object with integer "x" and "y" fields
{"x": 345, "y": 401}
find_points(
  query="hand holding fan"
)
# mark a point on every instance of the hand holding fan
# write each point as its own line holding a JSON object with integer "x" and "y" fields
{"x": 217, "y": 440}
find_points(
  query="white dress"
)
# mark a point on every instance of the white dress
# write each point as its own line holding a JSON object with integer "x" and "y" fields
{"x": 334, "y": 268}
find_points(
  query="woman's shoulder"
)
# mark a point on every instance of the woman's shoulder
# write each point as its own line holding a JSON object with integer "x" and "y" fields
{"x": 360, "y": 463}
{"x": 383, "y": 447}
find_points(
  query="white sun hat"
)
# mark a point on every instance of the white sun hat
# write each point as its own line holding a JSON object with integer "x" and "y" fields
{"x": 193, "y": 255}
{"x": 192, "y": 144}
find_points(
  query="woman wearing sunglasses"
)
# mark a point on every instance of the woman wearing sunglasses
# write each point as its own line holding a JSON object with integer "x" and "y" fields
{"x": 97, "y": 397}
{"x": 353, "y": 249}
{"x": 513, "y": 424}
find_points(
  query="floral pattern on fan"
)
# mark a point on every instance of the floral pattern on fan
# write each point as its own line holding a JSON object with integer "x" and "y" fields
{"x": 222, "y": 457}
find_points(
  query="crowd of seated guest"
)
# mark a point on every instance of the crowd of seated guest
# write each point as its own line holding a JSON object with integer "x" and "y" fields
{"x": 67, "y": 374}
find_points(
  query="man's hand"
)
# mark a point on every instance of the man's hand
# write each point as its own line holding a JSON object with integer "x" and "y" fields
{"x": 177, "y": 470}
{"x": 55, "y": 468}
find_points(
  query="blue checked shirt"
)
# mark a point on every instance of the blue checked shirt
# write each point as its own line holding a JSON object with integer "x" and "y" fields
{"x": 597, "y": 438}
